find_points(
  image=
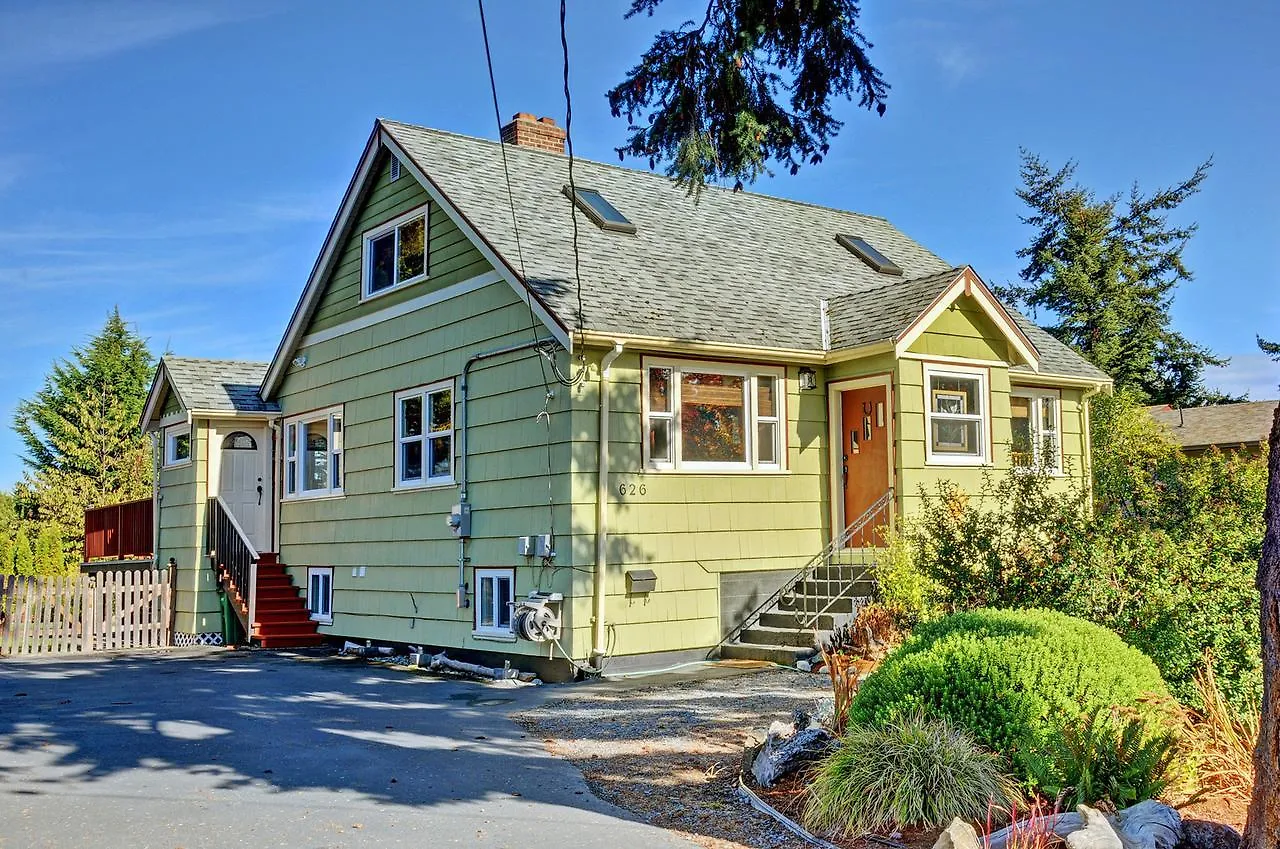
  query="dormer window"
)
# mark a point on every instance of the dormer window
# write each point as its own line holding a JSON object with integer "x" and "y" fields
{"x": 395, "y": 254}
{"x": 605, "y": 215}
{"x": 863, "y": 250}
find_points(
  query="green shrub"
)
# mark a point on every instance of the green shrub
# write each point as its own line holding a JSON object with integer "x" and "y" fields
{"x": 911, "y": 772}
{"x": 1105, "y": 756}
{"x": 1008, "y": 677}
{"x": 902, "y": 587}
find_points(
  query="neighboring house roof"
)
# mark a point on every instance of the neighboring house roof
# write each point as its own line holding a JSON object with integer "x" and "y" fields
{"x": 733, "y": 268}
{"x": 209, "y": 386}
{"x": 1224, "y": 425}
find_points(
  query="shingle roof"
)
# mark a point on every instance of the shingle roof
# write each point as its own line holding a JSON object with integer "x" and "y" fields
{"x": 734, "y": 267}
{"x": 229, "y": 386}
{"x": 1055, "y": 357}
{"x": 1225, "y": 425}
{"x": 877, "y": 313}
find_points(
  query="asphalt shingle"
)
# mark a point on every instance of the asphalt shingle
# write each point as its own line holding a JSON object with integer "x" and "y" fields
{"x": 731, "y": 267}
{"x": 229, "y": 386}
{"x": 1224, "y": 425}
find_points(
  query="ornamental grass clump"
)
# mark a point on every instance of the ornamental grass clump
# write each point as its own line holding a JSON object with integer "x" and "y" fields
{"x": 1009, "y": 678}
{"x": 910, "y": 772}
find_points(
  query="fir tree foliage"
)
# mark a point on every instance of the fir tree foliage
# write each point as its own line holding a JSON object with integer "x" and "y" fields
{"x": 1107, "y": 269}
{"x": 49, "y": 556}
{"x": 24, "y": 559}
{"x": 752, "y": 82}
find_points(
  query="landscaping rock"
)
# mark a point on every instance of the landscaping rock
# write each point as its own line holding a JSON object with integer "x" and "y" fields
{"x": 959, "y": 835}
{"x": 1146, "y": 825}
{"x": 786, "y": 749}
{"x": 1096, "y": 831}
{"x": 1202, "y": 834}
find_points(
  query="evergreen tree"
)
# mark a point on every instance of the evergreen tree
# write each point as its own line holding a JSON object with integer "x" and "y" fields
{"x": 749, "y": 84}
{"x": 49, "y": 556}
{"x": 6, "y": 554}
{"x": 1107, "y": 271}
{"x": 24, "y": 559}
{"x": 80, "y": 430}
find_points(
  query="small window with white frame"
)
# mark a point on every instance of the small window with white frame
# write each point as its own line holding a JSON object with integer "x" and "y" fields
{"x": 713, "y": 416}
{"x": 177, "y": 445}
{"x": 313, "y": 454}
{"x": 424, "y": 436}
{"x": 1035, "y": 419}
{"x": 958, "y": 415}
{"x": 320, "y": 593}
{"x": 395, "y": 253}
{"x": 495, "y": 591}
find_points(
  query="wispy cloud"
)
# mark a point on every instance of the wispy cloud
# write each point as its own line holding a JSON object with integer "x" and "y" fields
{"x": 1253, "y": 373}
{"x": 958, "y": 63}
{"x": 54, "y": 32}
{"x": 11, "y": 169}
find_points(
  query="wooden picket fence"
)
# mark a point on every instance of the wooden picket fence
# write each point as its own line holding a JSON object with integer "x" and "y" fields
{"x": 75, "y": 614}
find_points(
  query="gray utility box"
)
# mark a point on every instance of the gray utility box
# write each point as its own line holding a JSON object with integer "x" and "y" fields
{"x": 641, "y": 581}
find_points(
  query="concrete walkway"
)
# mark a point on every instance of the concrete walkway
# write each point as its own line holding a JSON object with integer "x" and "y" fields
{"x": 222, "y": 749}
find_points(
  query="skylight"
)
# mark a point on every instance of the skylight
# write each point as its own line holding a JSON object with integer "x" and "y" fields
{"x": 604, "y": 214}
{"x": 862, "y": 249}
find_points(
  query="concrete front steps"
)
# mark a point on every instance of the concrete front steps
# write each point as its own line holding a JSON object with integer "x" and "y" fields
{"x": 777, "y": 637}
{"x": 282, "y": 619}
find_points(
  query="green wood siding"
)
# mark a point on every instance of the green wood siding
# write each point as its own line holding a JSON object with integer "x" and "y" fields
{"x": 688, "y": 527}
{"x": 400, "y": 536}
{"x": 451, "y": 257}
{"x": 963, "y": 330}
{"x": 183, "y": 493}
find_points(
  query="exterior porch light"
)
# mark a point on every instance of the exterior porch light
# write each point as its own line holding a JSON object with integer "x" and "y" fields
{"x": 808, "y": 378}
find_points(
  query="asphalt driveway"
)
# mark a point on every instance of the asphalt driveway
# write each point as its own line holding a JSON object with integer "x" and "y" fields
{"x": 219, "y": 749}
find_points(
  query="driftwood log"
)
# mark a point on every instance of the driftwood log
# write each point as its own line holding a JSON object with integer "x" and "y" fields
{"x": 1147, "y": 825}
{"x": 787, "y": 748}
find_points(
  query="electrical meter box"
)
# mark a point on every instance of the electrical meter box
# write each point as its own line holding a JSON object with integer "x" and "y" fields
{"x": 460, "y": 520}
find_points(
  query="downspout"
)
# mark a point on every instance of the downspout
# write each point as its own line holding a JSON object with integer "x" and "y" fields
{"x": 463, "y": 495}
{"x": 599, "y": 644}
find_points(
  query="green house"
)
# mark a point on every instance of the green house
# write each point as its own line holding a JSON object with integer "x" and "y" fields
{"x": 609, "y": 424}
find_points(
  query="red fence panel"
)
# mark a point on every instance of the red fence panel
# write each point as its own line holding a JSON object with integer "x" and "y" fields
{"x": 119, "y": 531}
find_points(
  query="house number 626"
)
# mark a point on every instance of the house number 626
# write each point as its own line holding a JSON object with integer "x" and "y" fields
{"x": 625, "y": 489}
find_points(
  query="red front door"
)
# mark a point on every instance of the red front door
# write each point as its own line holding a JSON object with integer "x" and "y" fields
{"x": 865, "y": 456}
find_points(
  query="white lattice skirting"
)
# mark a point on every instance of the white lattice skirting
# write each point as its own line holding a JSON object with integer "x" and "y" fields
{"x": 209, "y": 638}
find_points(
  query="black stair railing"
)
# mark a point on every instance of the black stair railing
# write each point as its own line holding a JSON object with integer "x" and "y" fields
{"x": 863, "y": 532}
{"x": 235, "y": 561}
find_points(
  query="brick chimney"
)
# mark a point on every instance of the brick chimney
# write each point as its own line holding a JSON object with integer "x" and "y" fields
{"x": 540, "y": 133}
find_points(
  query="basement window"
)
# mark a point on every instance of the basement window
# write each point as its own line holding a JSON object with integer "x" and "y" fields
{"x": 494, "y": 594}
{"x": 863, "y": 250}
{"x": 605, "y": 215}
{"x": 395, "y": 254}
{"x": 320, "y": 594}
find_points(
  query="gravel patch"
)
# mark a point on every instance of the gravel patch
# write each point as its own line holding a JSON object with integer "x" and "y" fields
{"x": 670, "y": 753}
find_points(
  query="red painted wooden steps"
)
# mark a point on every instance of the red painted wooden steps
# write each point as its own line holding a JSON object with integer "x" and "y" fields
{"x": 282, "y": 620}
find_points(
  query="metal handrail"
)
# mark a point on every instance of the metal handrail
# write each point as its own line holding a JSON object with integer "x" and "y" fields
{"x": 821, "y": 558}
{"x": 233, "y": 554}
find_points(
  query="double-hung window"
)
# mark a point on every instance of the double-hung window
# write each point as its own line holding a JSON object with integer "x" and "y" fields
{"x": 713, "y": 417}
{"x": 177, "y": 445}
{"x": 395, "y": 254}
{"x": 320, "y": 593}
{"x": 958, "y": 415}
{"x": 424, "y": 436}
{"x": 313, "y": 454}
{"x": 494, "y": 594}
{"x": 1035, "y": 418}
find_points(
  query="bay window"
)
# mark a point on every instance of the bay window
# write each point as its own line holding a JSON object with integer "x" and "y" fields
{"x": 958, "y": 418}
{"x": 711, "y": 416}
{"x": 313, "y": 454}
{"x": 1035, "y": 417}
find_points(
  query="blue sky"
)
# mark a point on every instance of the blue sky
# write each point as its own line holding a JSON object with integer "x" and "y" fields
{"x": 184, "y": 160}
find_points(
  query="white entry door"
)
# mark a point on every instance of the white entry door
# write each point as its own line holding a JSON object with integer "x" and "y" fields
{"x": 242, "y": 483}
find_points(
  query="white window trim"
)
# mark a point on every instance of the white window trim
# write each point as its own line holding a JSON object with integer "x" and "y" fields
{"x": 366, "y": 255}
{"x": 751, "y": 372}
{"x": 983, "y": 457}
{"x": 483, "y": 631}
{"x": 427, "y": 435}
{"x": 1037, "y": 396}
{"x": 171, "y": 435}
{"x": 319, "y": 617}
{"x": 336, "y": 447}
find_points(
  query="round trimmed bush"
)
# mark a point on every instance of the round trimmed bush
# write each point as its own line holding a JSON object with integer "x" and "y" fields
{"x": 1012, "y": 678}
